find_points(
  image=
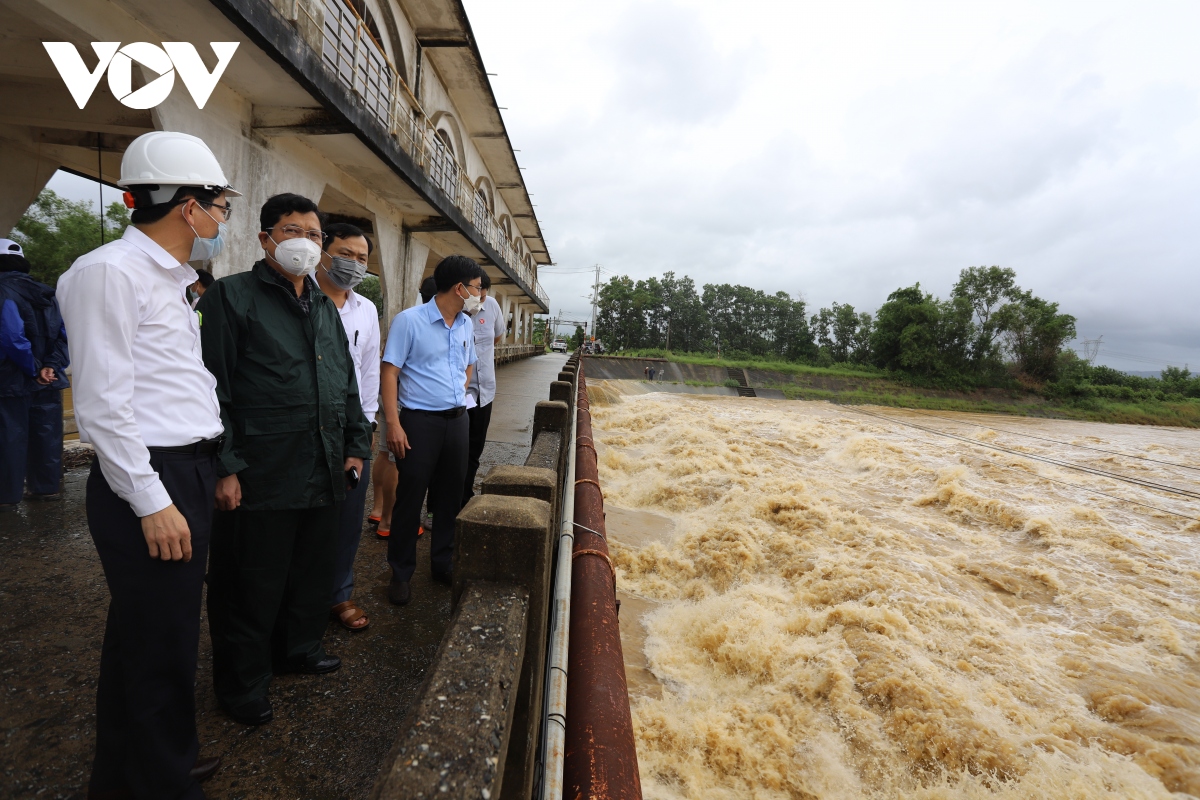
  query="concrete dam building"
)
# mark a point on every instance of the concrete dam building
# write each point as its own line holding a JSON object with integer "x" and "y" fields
{"x": 379, "y": 110}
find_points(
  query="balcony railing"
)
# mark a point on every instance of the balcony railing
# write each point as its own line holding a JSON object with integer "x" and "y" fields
{"x": 360, "y": 63}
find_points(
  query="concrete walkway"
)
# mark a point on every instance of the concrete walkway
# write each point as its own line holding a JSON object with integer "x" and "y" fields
{"x": 330, "y": 733}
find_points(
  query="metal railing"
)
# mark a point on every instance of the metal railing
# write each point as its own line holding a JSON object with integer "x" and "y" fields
{"x": 350, "y": 52}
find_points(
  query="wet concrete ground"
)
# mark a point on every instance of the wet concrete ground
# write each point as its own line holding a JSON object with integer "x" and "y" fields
{"x": 330, "y": 732}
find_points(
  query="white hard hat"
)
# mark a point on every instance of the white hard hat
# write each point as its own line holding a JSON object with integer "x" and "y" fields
{"x": 169, "y": 160}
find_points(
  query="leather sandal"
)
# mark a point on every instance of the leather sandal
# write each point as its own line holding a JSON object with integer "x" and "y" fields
{"x": 357, "y": 613}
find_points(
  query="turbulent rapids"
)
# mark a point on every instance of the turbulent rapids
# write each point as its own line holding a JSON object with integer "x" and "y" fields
{"x": 821, "y": 604}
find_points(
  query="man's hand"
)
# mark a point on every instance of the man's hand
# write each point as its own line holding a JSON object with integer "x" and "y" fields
{"x": 397, "y": 440}
{"x": 355, "y": 463}
{"x": 46, "y": 376}
{"x": 229, "y": 493}
{"x": 167, "y": 535}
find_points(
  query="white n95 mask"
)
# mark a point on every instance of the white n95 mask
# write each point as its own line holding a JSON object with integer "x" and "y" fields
{"x": 298, "y": 256}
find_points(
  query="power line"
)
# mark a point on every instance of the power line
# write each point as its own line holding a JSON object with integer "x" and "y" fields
{"x": 1056, "y": 441}
{"x": 1088, "y": 489}
{"x": 1159, "y": 487}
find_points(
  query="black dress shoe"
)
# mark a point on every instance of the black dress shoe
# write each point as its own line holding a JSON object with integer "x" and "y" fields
{"x": 205, "y": 768}
{"x": 256, "y": 712}
{"x": 320, "y": 667}
{"x": 399, "y": 593}
{"x": 446, "y": 577}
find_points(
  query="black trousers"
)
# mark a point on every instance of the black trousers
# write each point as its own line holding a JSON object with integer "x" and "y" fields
{"x": 438, "y": 457}
{"x": 31, "y": 444}
{"x": 480, "y": 419}
{"x": 146, "y": 699}
{"x": 269, "y": 583}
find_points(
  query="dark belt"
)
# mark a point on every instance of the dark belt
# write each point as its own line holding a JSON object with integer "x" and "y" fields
{"x": 204, "y": 447}
{"x": 449, "y": 413}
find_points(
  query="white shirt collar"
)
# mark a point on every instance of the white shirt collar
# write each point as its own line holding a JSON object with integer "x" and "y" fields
{"x": 183, "y": 274}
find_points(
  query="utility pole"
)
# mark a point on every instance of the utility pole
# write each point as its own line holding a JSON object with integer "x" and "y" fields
{"x": 595, "y": 295}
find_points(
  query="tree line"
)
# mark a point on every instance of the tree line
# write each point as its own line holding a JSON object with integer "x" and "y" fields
{"x": 989, "y": 331}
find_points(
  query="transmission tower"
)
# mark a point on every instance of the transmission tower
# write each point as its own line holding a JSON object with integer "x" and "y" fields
{"x": 1091, "y": 348}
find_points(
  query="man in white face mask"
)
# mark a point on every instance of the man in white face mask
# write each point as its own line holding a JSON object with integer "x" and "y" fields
{"x": 149, "y": 407}
{"x": 294, "y": 433}
{"x": 343, "y": 267}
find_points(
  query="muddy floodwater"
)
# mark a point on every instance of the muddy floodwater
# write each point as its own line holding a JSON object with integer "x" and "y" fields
{"x": 818, "y": 603}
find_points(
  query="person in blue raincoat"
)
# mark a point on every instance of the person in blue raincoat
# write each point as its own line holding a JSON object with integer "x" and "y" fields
{"x": 33, "y": 361}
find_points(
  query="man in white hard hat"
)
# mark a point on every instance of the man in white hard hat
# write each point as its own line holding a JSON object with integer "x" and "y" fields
{"x": 149, "y": 407}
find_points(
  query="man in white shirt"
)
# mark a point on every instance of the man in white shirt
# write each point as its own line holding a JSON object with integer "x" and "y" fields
{"x": 343, "y": 267}
{"x": 489, "y": 327}
{"x": 149, "y": 407}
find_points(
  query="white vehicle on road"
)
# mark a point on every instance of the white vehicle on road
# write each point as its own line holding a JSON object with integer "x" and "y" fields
{"x": 558, "y": 346}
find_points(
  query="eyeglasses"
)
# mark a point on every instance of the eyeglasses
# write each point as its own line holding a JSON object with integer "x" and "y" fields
{"x": 226, "y": 210}
{"x": 295, "y": 232}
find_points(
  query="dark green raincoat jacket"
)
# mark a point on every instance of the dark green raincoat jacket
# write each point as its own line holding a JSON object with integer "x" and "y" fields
{"x": 286, "y": 385}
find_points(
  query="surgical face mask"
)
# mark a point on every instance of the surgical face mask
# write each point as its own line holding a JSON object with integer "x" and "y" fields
{"x": 297, "y": 256}
{"x": 205, "y": 249}
{"x": 471, "y": 303}
{"x": 345, "y": 273}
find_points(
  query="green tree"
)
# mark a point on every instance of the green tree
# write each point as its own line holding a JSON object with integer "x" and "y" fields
{"x": 371, "y": 289}
{"x": 55, "y": 231}
{"x": 914, "y": 332}
{"x": 690, "y": 329}
{"x": 576, "y": 340}
{"x": 983, "y": 288}
{"x": 1034, "y": 334}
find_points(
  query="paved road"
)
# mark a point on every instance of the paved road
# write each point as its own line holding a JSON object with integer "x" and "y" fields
{"x": 330, "y": 732}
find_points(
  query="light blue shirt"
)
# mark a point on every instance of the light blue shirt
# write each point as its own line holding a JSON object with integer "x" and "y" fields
{"x": 432, "y": 357}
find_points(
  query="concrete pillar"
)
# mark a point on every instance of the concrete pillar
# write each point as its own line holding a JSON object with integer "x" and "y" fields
{"x": 505, "y": 312}
{"x": 25, "y": 175}
{"x": 518, "y": 320}
{"x": 397, "y": 249}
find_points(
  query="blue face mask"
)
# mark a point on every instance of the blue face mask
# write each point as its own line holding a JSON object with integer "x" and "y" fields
{"x": 205, "y": 249}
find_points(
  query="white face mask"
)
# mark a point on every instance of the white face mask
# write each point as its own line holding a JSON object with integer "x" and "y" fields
{"x": 297, "y": 256}
{"x": 471, "y": 303}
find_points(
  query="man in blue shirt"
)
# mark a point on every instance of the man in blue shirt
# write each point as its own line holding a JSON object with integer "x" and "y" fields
{"x": 33, "y": 357}
{"x": 427, "y": 364}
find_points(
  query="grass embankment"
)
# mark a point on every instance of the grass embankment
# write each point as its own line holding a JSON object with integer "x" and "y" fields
{"x": 868, "y": 386}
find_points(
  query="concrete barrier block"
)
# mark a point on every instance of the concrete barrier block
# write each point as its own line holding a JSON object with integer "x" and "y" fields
{"x": 501, "y": 539}
{"x": 550, "y": 415}
{"x": 511, "y": 481}
{"x": 455, "y": 741}
{"x": 563, "y": 392}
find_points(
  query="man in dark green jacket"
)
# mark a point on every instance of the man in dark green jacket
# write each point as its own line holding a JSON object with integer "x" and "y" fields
{"x": 294, "y": 429}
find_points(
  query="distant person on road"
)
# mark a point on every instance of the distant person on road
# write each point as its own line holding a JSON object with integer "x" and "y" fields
{"x": 427, "y": 364}
{"x": 204, "y": 280}
{"x": 488, "y": 323}
{"x": 146, "y": 403}
{"x": 385, "y": 474}
{"x": 33, "y": 360}
{"x": 294, "y": 428}
{"x": 651, "y": 372}
{"x": 343, "y": 267}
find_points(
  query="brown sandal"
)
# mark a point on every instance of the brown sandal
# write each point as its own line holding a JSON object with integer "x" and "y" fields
{"x": 336, "y": 612}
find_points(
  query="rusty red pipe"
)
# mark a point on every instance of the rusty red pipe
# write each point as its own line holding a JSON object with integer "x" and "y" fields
{"x": 601, "y": 761}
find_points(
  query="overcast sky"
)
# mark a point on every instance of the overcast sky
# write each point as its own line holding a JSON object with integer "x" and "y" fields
{"x": 840, "y": 150}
